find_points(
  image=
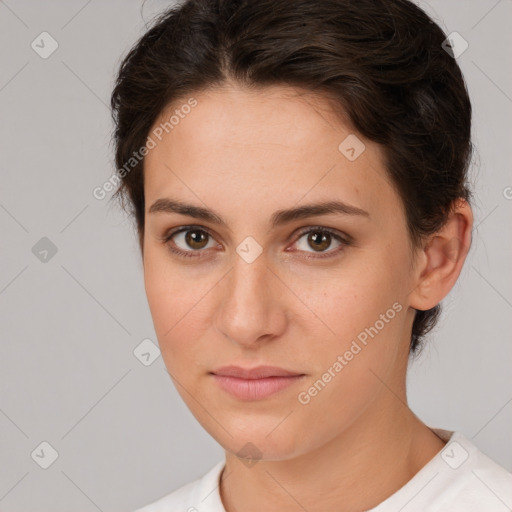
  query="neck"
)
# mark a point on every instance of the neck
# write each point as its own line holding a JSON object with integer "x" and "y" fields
{"x": 357, "y": 470}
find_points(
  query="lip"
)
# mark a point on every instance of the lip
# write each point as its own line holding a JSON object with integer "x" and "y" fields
{"x": 259, "y": 372}
{"x": 255, "y": 383}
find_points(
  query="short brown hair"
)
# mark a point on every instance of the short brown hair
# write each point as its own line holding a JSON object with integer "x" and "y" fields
{"x": 382, "y": 62}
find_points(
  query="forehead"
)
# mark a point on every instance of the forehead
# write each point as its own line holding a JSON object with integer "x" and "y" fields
{"x": 277, "y": 115}
{"x": 267, "y": 146}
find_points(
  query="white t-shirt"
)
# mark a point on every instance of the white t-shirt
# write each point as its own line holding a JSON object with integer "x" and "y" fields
{"x": 459, "y": 478}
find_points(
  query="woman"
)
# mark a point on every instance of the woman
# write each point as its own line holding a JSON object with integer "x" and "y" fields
{"x": 297, "y": 172}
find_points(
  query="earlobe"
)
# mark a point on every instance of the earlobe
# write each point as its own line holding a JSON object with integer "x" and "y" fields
{"x": 443, "y": 257}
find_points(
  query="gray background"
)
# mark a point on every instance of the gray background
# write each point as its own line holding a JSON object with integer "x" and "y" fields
{"x": 69, "y": 325}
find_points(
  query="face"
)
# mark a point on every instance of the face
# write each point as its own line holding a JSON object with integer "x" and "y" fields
{"x": 323, "y": 295}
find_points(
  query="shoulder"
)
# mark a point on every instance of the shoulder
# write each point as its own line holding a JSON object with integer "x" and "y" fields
{"x": 460, "y": 478}
{"x": 472, "y": 480}
{"x": 203, "y": 492}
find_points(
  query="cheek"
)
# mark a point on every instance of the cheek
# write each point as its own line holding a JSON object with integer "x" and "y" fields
{"x": 367, "y": 317}
{"x": 160, "y": 290}
{"x": 356, "y": 299}
{"x": 364, "y": 309}
{"x": 173, "y": 299}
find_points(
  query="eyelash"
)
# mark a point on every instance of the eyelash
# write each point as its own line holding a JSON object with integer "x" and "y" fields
{"x": 344, "y": 240}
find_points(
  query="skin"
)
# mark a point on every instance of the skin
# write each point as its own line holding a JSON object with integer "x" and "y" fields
{"x": 246, "y": 154}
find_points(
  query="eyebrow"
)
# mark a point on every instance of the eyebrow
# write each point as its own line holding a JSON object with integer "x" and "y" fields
{"x": 279, "y": 218}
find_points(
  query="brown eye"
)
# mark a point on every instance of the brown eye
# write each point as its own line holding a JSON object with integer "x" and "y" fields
{"x": 319, "y": 240}
{"x": 188, "y": 242}
{"x": 192, "y": 242}
{"x": 195, "y": 238}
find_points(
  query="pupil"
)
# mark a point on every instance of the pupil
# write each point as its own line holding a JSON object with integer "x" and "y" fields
{"x": 195, "y": 237}
{"x": 319, "y": 239}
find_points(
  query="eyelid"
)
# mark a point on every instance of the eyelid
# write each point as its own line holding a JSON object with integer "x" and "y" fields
{"x": 180, "y": 229}
{"x": 343, "y": 238}
{"x": 340, "y": 235}
{"x": 169, "y": 234}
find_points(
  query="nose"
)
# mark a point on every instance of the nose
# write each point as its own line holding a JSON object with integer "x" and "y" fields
{"x": 251, "y": 304}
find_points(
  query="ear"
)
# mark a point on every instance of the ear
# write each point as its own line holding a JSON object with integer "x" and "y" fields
{"x": 440, "y": 261}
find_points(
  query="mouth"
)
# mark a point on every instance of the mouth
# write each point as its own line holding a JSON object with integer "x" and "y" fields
{"x": 255, "y": 383}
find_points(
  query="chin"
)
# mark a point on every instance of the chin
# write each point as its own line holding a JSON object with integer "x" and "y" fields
{"x": 250, "y": 438}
